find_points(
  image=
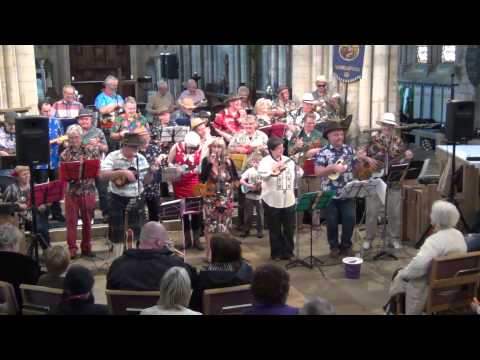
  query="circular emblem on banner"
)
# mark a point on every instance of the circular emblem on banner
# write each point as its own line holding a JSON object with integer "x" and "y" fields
{"x": 349, "y": 52}
{"x": 346, "y": 74}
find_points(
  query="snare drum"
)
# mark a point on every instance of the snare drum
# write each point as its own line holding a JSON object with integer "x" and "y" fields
{"x": 171, "y": 174}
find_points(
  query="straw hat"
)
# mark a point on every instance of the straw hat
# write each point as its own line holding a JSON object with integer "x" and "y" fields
{"x": 232, "y": 97}
{"x": 10, "y": 117}
{"x": 388, "y": 119}
{"x": 84, "y": 113}
{"x": 321, "y": 79}
{"x": 195, "y": 122}
{"x": 187, "y": 103}
{"x": 308, "y": 98}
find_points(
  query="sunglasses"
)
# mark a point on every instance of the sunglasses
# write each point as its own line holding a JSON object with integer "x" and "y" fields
{"x": 320, "y": 85}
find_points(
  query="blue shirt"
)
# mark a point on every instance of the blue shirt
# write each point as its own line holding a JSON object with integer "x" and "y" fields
{"x": 103, "y": 99}
{"x": 55, "y": 130}
{"x": 328, "y": 155}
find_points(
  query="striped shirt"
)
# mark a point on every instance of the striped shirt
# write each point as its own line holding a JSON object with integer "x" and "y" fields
{"x": 65, "y": 109}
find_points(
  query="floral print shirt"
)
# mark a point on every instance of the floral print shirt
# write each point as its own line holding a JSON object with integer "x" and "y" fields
{"x": 329, "y": 155}
{"x": 123, "y": 122}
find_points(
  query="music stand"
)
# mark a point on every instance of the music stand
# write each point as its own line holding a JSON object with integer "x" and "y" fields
{"x": 310, "y": 201}
{"x": 179, "y": 133}
{"x": 8, "y": 162}
{"x": 396, "y": 173}
{"x": 66, "y": 122}
{"x": 171, "y": 210}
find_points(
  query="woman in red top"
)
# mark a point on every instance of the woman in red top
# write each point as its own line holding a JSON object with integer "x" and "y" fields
{"x": 186, "y": 157}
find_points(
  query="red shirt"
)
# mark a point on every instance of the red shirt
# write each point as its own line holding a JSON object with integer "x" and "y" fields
{"x": 228, "y": 122}
{"x": 184, "y": 187}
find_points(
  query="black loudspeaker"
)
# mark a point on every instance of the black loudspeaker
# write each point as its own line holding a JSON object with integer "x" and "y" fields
{"x": 459, "y": 120}
{"x": 171, "y": 61}
{"x": 32, "y": 140}
{"x": 163, "y": 66}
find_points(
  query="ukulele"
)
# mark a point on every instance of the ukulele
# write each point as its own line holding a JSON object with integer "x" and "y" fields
{"x": 279, "y": 169}
{"x": 121, "y": 181}
{"x": 334, "y": 176}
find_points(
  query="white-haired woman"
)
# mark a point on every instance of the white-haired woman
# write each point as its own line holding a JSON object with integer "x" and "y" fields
{"x": 413, "y": 279}
{"x": 175, "y": 293}
{"x": 79, "y": 195}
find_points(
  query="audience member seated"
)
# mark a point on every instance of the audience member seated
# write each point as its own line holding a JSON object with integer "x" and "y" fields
{"x": 473, "y": 242}
{"x": 227, "y": 268}
{"x": 77, "y": 294}
{"x": 142, "y": 269}
{"x": 413, "y": 279}
{"x": 317, "y": 306}
{"x": 270, "y": 286}
{"x": 175, "y": 293}
{"x": 15, "y": 267}
{"x": 57, "y": 260}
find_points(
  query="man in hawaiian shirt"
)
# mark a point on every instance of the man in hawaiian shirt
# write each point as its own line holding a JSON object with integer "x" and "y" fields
{"x": 130, "y": 121}
{"x": 325, "y": 165}
{"x": 382, "y": 143}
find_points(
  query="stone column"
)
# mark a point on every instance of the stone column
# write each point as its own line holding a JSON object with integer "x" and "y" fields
{"x": 301, "y": 69}
{"x": 244, "y": 76}
{"x": 365, "y": 87}
{"x": 393, "y": 94}
{"x": 272, "y": 66}
{"x": 27, "y": 79}
{"x": 11, "y": 76}
{"x": 282, "y": 65}
{"x": 380, "y": 81}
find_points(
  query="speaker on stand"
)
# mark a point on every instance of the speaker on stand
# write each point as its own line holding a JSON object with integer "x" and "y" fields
{"x": 32, "y": 149}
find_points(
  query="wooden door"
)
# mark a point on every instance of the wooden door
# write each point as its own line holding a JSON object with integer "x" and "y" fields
{"x": 91, "y": 64}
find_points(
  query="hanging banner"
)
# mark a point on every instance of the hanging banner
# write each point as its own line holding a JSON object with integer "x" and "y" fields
{"x": 348, "y": 62}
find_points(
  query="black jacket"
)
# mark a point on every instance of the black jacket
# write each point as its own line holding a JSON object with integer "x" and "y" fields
{"x": 142, "y": 270}
{"x": 80, "y": 307}
{"x": 219, "y": 279}
{"x": 18, "y": 269}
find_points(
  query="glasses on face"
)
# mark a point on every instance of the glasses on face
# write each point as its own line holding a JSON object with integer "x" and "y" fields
{"x": 321, "y": 85}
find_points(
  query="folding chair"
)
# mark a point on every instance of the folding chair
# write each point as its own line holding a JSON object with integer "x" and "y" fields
{"x": 127, "y": 302}
{"x": 8, "y": 300}
{"x": 39, "y": 300}
{"x": 227, "y": 301}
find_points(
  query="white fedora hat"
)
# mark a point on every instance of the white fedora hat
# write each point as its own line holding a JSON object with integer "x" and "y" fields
{"x": 308, "y": 98}
{"x": 388, "y": 119}
{"x": 321, "y": 79}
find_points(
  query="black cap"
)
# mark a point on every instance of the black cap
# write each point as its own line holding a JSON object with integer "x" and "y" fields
{"x": 79, "y": 280}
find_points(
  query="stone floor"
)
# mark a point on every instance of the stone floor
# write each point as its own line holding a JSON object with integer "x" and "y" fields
{"x": 364, "y": 296}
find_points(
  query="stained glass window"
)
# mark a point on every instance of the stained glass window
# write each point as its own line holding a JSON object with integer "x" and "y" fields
{"x": 448, "y": 53}
{"x": 422, "y": 54}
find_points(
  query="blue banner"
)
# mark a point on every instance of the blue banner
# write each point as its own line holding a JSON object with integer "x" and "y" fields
{"x": 348, "y": 62}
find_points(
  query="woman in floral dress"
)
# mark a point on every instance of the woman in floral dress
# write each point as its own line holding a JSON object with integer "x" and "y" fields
{"x": 219, "y": 172}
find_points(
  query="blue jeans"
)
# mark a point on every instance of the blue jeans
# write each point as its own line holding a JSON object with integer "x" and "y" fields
{"x": 342, "y": 210}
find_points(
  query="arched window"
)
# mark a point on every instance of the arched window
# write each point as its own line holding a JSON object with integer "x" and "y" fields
{"x": 422, "y": 54}
{"x": 448, "y": 53}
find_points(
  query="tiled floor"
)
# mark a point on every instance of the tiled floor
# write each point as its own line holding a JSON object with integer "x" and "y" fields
{"x": 364, "y": 296}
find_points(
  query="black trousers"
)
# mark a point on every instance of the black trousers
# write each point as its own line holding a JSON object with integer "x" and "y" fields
{"x": 281, "y": 226}
{"x": 43, "y": 175}
{"x": 116, "y": 223}
{"x": 153, "y": 209}
{"x": 241, "y": 208}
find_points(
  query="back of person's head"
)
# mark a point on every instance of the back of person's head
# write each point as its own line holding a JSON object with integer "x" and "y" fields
{"x": 317, "y": 306}
{"x": 153, "y": 236}
{"x": 273, "y": 142}
{"x": 175, "y": 288}
{"x": 444, "y": 215}
{"x": 78, "y": 282}
{"x": 10, "y": 237}
{"x": 270, "y": 285}
{"x": 226, "y": 249}
{"x": 57, "y": 260}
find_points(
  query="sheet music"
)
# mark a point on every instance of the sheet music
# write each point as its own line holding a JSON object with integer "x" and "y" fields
{"x": 364, "y": 188}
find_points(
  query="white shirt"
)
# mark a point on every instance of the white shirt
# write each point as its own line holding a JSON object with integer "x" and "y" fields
{"x": 115, "y": 161}
{"x": 158, "y": 310}
{"x": 251, "y": 176}
{"x": 278, "y": 191}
